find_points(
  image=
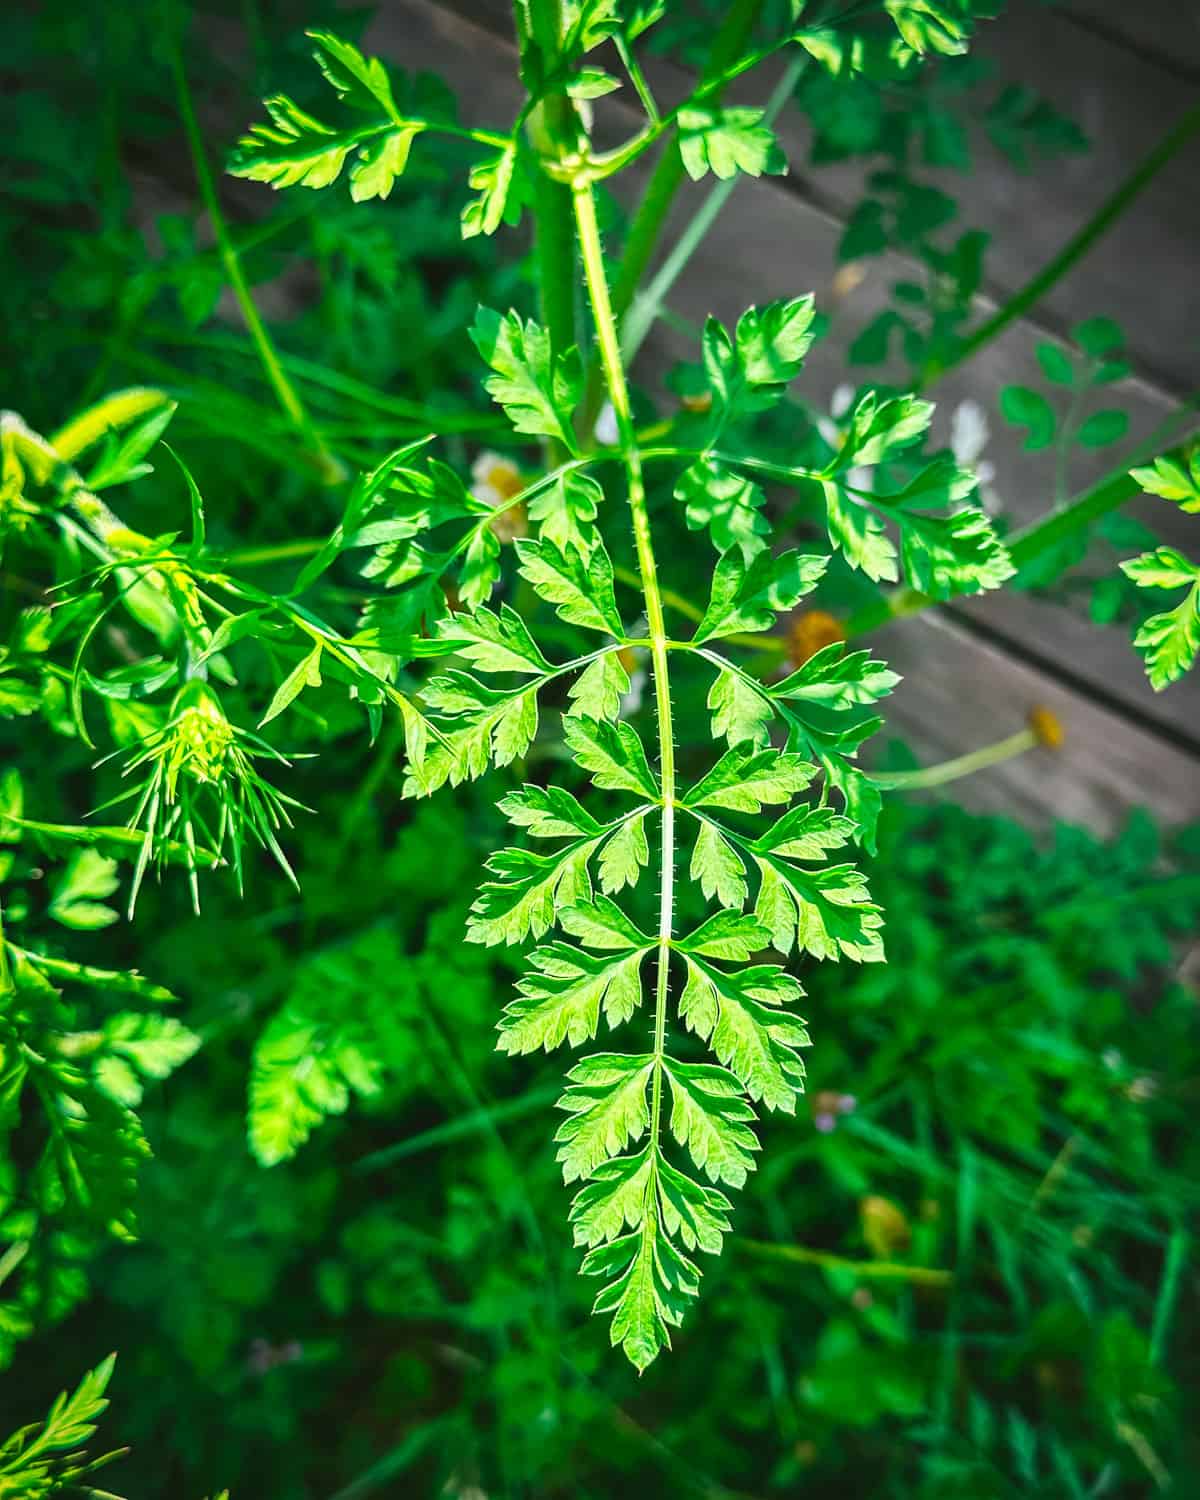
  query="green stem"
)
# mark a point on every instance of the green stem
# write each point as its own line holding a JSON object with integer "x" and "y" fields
{"x": 1075, "y": 249}
{"x": 6, "y": 980}
{"x": 879, "y": 1269}
{"x": 1168, "y": 1292}
{"x": 665, "y": 181}
{"x": 962, "y": 765}
{"x": 618, "y": 392}
{"x": 331, "y": 468}
{"x": 549, "y": 124}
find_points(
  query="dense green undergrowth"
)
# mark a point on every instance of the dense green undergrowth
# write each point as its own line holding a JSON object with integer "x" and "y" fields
{"x": 268, "y": 1150}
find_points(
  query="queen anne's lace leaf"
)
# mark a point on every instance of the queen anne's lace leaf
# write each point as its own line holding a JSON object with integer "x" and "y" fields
{"x": 581, "y": 588}
{"x": 537, "y": 386}
{"x": 747, "y": 598}
{"x": 612, "y": 754}
{"x": 608, "y": 1109}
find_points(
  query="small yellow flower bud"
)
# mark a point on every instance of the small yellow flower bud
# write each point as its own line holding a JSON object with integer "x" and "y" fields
{"x": 1047, "y": 728}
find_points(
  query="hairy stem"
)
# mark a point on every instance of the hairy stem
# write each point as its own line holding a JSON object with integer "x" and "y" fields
{"x": 665, "y": 181}
{"x": 1075, "y": 249}
{"x": 618, "y": 393}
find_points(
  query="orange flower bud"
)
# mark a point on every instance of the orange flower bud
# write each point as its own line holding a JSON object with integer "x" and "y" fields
{"x": 1047, "y": 728}
{"x": 811, "y": 631}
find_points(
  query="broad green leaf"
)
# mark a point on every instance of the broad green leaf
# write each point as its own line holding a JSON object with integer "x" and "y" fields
{"x": 360, "y": 82}
{"x": 879, "y": 429}
{"x": 806, "y": 833}
{"x": 597, "y": 692}
{"x": 726, "y": 934}
{"x": 494, "y": 643}
{"x": 529, "y": 889}
{"x": 741, "y": 713}
{"x": 748, "y": 597}
{"x": 739, "y": 1015}
{"x": 497, "y": 199}
{"x": 1056, "y": 364}
{"x": 931, "y": 25}
{"x": 608, "y": 1108}
{"x": 549, "y": 813}
{"x": 538, "y": 387}
{"x": 1169, "y": 479}
{"x": 612, "y": 754}
{"x": 837, "y": 680}
{"x": 743, "y": 779}
{"x": 728, "y": 504}
{"x": 826, "y": 912}
{"x": 80, "y": 891}
{"x": 718, "y": 868}
{"x": 1170, "y": 641}
{"x": 1026, "y": 408}
{"x": 859, "y": 535}
{"x": 1102, "y": 428}
{"x": 624, "y": 855}
{"x": 565, "y": 511}
{"x": 944, "y": 556}
{"x": 709, "y": 1117}
{"x": 562, "y": 996}
{"x": 380, "y": 162}
{"x": 725, "y": 141}
{"x": 580, "y": 588}
{"x": 294, "y": 150}
{"x": 600, "y": 923}
{"x": 748, "y": 373}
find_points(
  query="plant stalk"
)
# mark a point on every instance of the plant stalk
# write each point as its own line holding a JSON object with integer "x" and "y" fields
{"x": 1074, "y": 250}
{"x": 331, "y": 468}
{"x": 665, "y": 181}
{"x": 618, "y": 392}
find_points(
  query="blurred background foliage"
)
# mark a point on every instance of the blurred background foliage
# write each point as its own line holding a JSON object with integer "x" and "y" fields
{"x": 964, "y": 1276}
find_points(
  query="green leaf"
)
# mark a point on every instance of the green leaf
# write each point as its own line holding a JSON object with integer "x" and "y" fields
{"x": 624, "y": 855}
{"x": 728, "y": 504}
{"x": 154, "y": 1046}
{"x": 879, "y": 429}
{"x": 538, "y": 387}
{"x": 360, "y": 82}
{"x": 1170, "y": 480}
{"x": 529, "y": 889}
{"x": 600, "y": 923}
{"x": 859, "y": 535}
{"x": 1170, "y": 642}
{"x": 1164, "y": 568}
{"x": 1056, "y": 364}
{"x": 566, "y": 511}
{"x": 494, "y": 643}
{"x": 496, "y": 201}
{"x": 710, "y": 1118}
{"x": 739, "y": 1015}
{"x": 580, "y": 588}
{"x": 380, "y": 162}
{"x": 747, "y": 597}
{"x": 944, "y": 556}
{"x": 826, "y": 912}
{"x": 1102, "y": 428}
{"x": 306, "y": 673}
{"x": 718, "y": 868}
{"x": 930, "y": 25}
{"x": 1026, "y": 408}
{"x": 836, "y": 680}
{"x": 1098, "y": 337}
{"x": 12, "y": 805}
{"x": 614, "y": 1200}
{"x": 79, "y": 891}
{"x": 597, "y": 692}
{"x": 806, "y": 832}
{"x": 549, "y": 813}
{"x": 650, "y": 1287}
{"x": 294, "y": 150}
{"x": 608, "y": 1108}
{"x": 725, "y": 141}
{"x": 561, "y": 998}
{"x": 744, "y": 779}
{"x": 749, "y": 372}
{"x": 612, "y": 754}
{"x": 741, "y": 713}
{"x": 726, "y": 934}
